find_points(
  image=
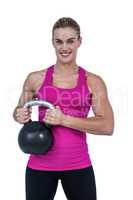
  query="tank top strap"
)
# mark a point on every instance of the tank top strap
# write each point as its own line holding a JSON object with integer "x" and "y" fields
{"x": 82, "y": 77}
{"x": 48, "y": 76}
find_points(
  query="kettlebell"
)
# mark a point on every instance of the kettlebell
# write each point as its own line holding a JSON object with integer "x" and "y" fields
{"x": 35, "y": 137}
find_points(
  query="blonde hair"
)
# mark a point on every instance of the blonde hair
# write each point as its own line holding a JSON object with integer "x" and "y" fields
{"x": 67, "y": 22}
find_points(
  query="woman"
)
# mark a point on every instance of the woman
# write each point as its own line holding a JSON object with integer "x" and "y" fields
{"x": 72, "y": 90}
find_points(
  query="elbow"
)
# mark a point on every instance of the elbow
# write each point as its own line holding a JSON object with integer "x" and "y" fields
{"x": 109, "y": 128}
{"x": 109, "y": 132}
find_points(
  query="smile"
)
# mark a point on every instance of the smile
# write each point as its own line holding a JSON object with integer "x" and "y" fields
{"x": 65, "y": 54}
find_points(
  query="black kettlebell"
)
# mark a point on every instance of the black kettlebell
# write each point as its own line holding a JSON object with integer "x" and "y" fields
{"x": 36, "y": 137}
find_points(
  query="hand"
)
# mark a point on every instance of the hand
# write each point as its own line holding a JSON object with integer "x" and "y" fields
{"x": 54, "y": 116}
{"x": 22, "y": 115}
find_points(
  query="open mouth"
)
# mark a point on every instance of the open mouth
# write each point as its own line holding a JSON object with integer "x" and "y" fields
{"x": 65, "y": 55}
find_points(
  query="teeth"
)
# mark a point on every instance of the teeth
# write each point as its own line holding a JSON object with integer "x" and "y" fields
{"x": 65, "y": 54}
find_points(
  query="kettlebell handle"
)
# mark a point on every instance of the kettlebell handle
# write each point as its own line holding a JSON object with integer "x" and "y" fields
{"x": 38, "y": 103}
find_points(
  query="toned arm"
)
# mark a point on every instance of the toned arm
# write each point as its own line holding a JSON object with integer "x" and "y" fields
{"x": 103, "y": 121}
{"x": 31, "y": 84}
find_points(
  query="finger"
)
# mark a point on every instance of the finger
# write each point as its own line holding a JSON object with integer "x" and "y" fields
{"x": 23, "y": 113}
{"x": 25, "y": 109}
{"x": 28, "y": 115}
{"x": 47, "y": 121}
{"x": 30, "y": 109}
{"x": 49, "y": 118}
{"x": 22, "y": 121}
{"x": 50, "y": 113}
{"x": 26, "y": 118}
{"x": 25, "y": 121}
{"x": 29, "y": 112}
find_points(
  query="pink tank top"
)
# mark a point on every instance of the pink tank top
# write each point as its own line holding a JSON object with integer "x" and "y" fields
{"x": 70, "y": 149}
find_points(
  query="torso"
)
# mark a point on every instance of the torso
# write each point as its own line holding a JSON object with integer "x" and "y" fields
{"x": 58, "y": 80}
{"x": 69, "y": 150}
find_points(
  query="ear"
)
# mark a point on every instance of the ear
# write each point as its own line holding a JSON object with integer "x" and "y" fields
{"x": 80, "y": 41}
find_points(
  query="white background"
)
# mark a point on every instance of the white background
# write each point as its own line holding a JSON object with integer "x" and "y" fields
{"x": 25, "y": 46}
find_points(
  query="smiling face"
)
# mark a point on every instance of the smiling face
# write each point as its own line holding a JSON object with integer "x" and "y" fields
{"x": 66, "y": 43}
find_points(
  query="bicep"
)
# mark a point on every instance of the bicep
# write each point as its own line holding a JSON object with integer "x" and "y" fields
{"x": 27, "y": 91}
{"x": 100, "y": 104}
{"x": 100, "y": 101}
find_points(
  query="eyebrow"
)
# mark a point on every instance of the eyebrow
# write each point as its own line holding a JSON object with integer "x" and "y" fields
{"x": 72, "y": 38}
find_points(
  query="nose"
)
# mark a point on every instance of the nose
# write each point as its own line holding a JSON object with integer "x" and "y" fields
{"x": 64, "y": 46}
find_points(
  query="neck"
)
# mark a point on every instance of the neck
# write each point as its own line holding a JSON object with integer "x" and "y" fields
{"x": 66, "y": 69}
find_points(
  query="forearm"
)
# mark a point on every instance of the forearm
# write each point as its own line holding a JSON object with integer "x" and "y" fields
{"x": 14, "y": 113}
{"x": 94, "y": 125}
{"x": 26, "y": 96}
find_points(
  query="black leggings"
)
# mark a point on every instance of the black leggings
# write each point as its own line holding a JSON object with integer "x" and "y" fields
{"x": 77, "y": 184}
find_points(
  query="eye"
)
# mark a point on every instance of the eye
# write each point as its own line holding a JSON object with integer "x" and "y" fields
{"x": 70, "y": 41}
{"x": 58, "y": 42}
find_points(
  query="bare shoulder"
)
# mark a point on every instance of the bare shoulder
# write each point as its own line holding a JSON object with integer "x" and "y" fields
{"x": 95, "y": 83}
{"x": 34, "y": 79}
{"x": 36, "y": 75}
